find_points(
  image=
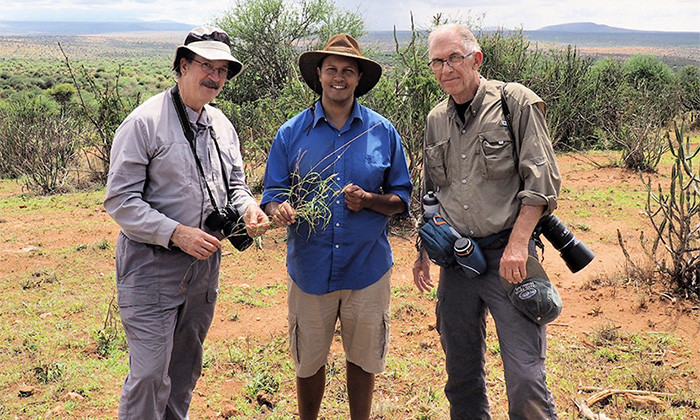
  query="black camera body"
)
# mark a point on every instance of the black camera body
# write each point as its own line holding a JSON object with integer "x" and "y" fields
{"x": 575, "y": 253}
{"x": 230, "y": 223}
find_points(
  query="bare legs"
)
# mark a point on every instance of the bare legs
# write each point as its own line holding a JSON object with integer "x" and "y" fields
{"x": 360, "y": 388}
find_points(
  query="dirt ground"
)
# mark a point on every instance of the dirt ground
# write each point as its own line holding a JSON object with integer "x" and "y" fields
{"x": 598, "y": 294}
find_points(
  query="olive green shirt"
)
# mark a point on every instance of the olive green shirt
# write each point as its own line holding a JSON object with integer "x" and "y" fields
{"x": 479, "y": 174}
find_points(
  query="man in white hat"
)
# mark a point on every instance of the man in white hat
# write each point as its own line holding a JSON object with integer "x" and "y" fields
{"x": 176, "y": 188}
{"x": 342, "y": 269}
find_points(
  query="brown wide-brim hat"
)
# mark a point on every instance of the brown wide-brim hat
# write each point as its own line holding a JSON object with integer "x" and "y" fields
{"x": 345, "y": 46}
{"x": 210, "y": 43}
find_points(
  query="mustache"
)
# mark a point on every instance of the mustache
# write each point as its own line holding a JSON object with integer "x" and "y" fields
{"x": 210, "y": 84}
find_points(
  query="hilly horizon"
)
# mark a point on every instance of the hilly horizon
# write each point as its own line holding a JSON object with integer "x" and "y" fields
{"x": 48, "y": 28}
{"x": 586, "y": 27}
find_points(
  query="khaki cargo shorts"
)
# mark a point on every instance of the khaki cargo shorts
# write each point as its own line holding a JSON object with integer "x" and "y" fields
{"x": 364, "y": 325}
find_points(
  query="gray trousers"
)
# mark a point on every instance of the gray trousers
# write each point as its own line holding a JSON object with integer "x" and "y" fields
{"x": 461, "y": 321}
{"x": 166, "y": 305}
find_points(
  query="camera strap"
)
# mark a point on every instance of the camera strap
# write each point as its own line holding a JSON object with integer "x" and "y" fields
{"x": 189, "y": 135}
{"x": 509, "y": 122}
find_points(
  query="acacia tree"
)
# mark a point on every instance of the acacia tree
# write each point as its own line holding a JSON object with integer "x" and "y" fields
{"x": 268, "y": 35}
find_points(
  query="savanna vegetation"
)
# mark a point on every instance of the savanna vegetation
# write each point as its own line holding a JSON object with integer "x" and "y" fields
{"x": 57, "y": 117}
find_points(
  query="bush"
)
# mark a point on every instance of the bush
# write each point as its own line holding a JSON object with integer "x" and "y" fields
{"x": 561, "y": 79}
{"x": 405, "y": 96}
{"x": 688, "y": 79}
{"x": 257, "y": 122}
{"x": 268, "y": 36}
{"x": 62, "y": 93}
{"x": 37, "y": 142}
{"x": 675, "y": 216}
{"x": 647, "y": 69}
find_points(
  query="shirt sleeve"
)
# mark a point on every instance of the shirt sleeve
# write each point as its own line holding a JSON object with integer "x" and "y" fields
{"x": 398, "y": 178}
{"x": 126, "y": 182}
{"x": 537, "y": 162}
{"x": 276, "y": 179}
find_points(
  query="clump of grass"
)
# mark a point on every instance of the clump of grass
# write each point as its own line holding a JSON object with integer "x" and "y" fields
{"x": 45, "y": 372}
{"x": 605, "y": 334}
{"x": 650, "y": 377}
{"x": 102, "y": 245}
{"x": 262, "y": 381}
{"x": 38, "y": 278}
{"x": 108, "y": 338}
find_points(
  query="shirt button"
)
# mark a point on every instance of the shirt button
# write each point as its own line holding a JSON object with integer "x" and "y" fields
{"x": 337, "y": 246}
{"x": 465, "y": 207}
{"x": 471, "y": 233}
{"x": 337, "y": 224}
{"x": 464, "y": 156}
{"x": 337, "y": 202}
{"x": 464, "y": 131}
{"x": 464, "y": 181}
{"x": 337, "y": 179}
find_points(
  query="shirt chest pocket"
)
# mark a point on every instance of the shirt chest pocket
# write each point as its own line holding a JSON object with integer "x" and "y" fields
{"x": 368, "y": 170}
{"x": 436, "y": 163}
{"x": 498, "y": 155}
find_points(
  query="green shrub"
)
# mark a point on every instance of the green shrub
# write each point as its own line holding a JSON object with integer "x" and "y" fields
{"x": 37, "y": 142}
{"x": 269, "y": 35}
{"x": 688, "y": 79}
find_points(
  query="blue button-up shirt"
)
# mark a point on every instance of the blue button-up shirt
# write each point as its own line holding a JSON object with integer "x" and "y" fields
{"x": 352, "y": 251}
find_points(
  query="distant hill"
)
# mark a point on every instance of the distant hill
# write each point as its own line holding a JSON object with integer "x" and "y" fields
{"x": 42, "y": 28}
{"x": 586, "y": 27}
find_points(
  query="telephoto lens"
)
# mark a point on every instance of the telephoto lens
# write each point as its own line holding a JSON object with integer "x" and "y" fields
{"x": 575, "y": 253}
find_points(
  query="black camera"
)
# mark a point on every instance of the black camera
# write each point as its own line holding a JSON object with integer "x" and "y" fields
{"x": 230, "y": 223}
{"x": 575, "y": 253}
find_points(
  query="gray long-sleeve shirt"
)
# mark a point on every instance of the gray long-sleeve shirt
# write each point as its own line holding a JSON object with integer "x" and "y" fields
{"x": 154, "y": 183}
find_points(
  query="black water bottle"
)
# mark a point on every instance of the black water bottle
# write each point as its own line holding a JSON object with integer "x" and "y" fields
{"x": 469, "y": 256}
{"x": 430, "y": 205}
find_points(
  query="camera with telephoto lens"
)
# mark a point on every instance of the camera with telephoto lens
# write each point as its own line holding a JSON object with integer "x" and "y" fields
{"x": 575, "y": 253}
{"x": 228, "y": 221}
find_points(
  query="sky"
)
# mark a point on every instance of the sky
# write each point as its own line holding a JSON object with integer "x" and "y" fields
{"x": 654, "y": 15}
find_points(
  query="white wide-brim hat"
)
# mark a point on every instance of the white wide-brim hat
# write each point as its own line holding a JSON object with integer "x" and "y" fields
{"x": 210, "y": 43}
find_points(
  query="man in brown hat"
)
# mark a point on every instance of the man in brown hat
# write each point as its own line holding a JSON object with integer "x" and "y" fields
{"x": 176, "y": 175}
{"x": 339, "y": 267}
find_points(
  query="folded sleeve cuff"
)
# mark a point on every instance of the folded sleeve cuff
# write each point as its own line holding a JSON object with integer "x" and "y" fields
{"x": 533, "y": 198}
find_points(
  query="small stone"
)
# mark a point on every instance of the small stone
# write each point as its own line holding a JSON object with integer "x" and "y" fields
{"x": 58, "y": 409}
{"x": 228, "y": 410}
{"x": 73, "y": 396}
{"x": 26, "y": 391}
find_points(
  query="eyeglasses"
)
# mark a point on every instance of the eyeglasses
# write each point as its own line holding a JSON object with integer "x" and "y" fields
{"x": 208, "y": 69}
{"x": 454, "y": 60}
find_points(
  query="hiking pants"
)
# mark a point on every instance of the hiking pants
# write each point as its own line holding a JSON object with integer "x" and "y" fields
{"x": 461, "y": 321}
{"x": 166, "y": 302}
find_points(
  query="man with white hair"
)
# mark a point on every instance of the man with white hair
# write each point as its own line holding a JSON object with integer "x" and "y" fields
{"x": 494, "y": 174}
{"x": 176, "y": 187}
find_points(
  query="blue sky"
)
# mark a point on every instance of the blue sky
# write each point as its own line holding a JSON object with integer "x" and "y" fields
{"x": 658, "y": 15}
